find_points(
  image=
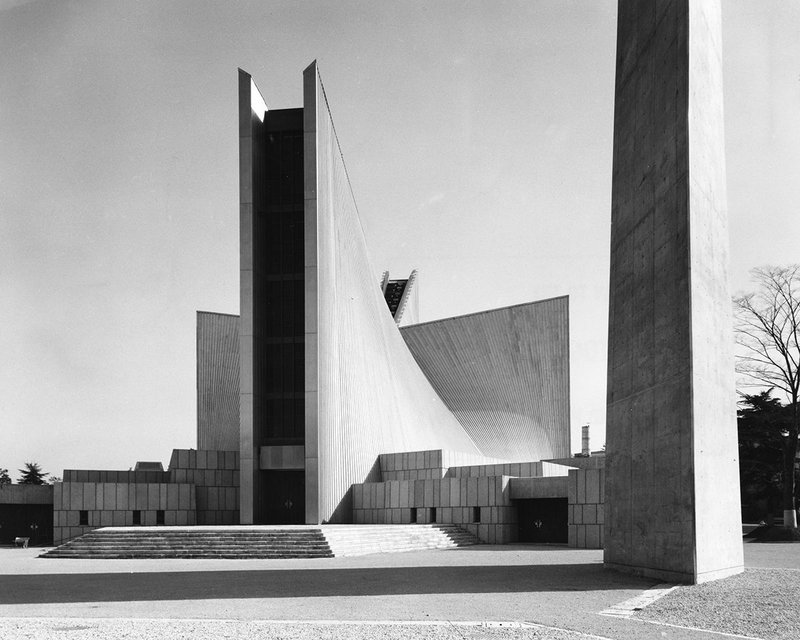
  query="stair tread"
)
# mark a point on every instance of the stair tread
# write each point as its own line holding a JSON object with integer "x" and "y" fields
{"x": 231, "y": 543}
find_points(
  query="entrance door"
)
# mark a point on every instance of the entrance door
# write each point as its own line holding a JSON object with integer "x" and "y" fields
{"x": 283, "y": 497}
{"x": 543, "y": 520}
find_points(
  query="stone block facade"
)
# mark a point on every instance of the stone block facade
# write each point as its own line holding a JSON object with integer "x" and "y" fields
{"x": 79, "y": 507}
{"x": 586, "y": 517}
{"x": 201, "y": 487}
{"x": 479, "y": 504}
{"x": 215, "y": 476}
{"x": 451, "y": 488}
{"x": 423, "y": 465}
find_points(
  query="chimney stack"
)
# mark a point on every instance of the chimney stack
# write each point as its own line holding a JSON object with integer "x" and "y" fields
{"x": 585, "y": 451}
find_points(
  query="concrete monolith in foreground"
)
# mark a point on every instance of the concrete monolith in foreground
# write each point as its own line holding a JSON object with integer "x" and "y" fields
{"x": 672, "y": 483}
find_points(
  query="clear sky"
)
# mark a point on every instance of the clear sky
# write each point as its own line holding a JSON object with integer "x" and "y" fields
{"x": 478, "y": 136}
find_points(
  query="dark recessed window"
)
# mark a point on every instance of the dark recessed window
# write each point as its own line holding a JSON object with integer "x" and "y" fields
{"x": 433, "y": 514}
{"x": 413, "y": 515}
{"x": 137, "y": 517}
{"x": 159, "y": 517}
{"x": 83, "y": 518}
{"x": 476, "y": 514}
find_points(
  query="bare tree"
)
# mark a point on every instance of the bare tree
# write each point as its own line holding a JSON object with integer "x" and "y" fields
{"x": 767, "y": 324}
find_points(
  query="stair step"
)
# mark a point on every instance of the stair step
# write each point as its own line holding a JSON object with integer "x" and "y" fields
{"x": 262, "y": 543}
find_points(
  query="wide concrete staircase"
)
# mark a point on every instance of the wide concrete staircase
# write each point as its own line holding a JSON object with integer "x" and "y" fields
{"x": 195, "y": 542}
{"x": 242, "y": 542}
{"x": 363, "y": 539}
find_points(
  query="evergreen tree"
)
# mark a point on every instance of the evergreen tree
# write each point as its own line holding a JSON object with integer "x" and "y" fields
{"x": 4, "y": 477}
{"x": 32, "y": 474}
{"x": 763, "y": 423}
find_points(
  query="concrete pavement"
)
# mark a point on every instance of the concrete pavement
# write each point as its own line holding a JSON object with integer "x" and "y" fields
{"x": 551, "y": 586}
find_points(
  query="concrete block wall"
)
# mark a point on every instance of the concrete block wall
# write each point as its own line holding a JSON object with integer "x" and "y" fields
{"x": 26, "y": 494}
{"x": 517, "y": 469}
{"x": 595, "y": 461}
{"x": 411, "y": 465}
{"x": 98, "y": 475}
{"x": 533, "y": 488}
{"x": 586, "y": 516}
{"x": 215, "y": 475}
{"x": 422, "y": 465}
{"x": 112, "y": 504}
{"x": 454, "y": 500}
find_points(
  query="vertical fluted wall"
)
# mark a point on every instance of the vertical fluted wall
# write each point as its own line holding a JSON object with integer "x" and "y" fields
{"x": 504, "y": 374}
{"x": 217, "y": 381}
{"x": 365, "y": 394}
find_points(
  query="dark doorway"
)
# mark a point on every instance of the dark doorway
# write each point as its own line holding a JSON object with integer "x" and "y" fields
{"x": 34, "y": 521}
{"x": 283, "y": 497}
{"x": 543, "y": 520}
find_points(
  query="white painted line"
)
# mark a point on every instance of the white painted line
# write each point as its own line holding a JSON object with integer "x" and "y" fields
{"x": 719, "y": 633}
{"x": 627, "y": 608}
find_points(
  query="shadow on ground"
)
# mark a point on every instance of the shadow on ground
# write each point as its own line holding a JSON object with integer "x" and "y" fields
{"x": 121, "y": 587}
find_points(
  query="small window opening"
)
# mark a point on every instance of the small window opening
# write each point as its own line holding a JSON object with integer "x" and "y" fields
{"x": 413, "y": 515}
{"x": 83, "y": 518}
{"x": 137, "y": 517}
{"x": 160, "y": 517}
{"x": 433, "y": 514}
{"x": 476, "y": 514}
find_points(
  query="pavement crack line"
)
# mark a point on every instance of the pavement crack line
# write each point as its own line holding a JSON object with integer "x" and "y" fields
{"x": 457, "y": 630}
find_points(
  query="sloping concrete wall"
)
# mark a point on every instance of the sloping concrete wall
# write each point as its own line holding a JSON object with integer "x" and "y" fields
{"x": 504, "y": 374}
{"x": 365, "y": 394}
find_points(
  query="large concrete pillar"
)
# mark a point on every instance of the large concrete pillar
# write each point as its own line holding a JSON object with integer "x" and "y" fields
{"x": 672, "y": 483}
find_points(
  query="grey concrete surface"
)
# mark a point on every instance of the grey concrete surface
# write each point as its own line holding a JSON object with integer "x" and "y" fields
{"x": 672, "y": 499}
{"x": 552, "y": 586}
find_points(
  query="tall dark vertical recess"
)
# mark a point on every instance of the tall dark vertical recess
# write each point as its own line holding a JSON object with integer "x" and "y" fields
{"x": 278, "y": 307}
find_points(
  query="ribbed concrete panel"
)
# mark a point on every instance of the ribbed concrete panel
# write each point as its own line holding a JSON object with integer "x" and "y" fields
{"x": 504, "y": 374}
{"x": 365, "y": 394}
{"x": 217, "y": 381}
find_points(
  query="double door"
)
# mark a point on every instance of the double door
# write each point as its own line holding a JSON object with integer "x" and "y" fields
{"x": 283, "y": 497}
{"x": 543, "y": 520}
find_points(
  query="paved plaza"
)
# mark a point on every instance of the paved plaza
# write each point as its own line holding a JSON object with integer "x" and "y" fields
{"x": 475, "y": 592}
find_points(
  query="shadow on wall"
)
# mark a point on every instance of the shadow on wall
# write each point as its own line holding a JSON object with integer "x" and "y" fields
{"x": 311, "y": 583}
{"x": 343, "y": 513}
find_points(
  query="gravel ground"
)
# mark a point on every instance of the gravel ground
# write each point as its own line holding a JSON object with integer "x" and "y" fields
{"x": 94, "y": 628}
{"x": 763, "y": 603}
